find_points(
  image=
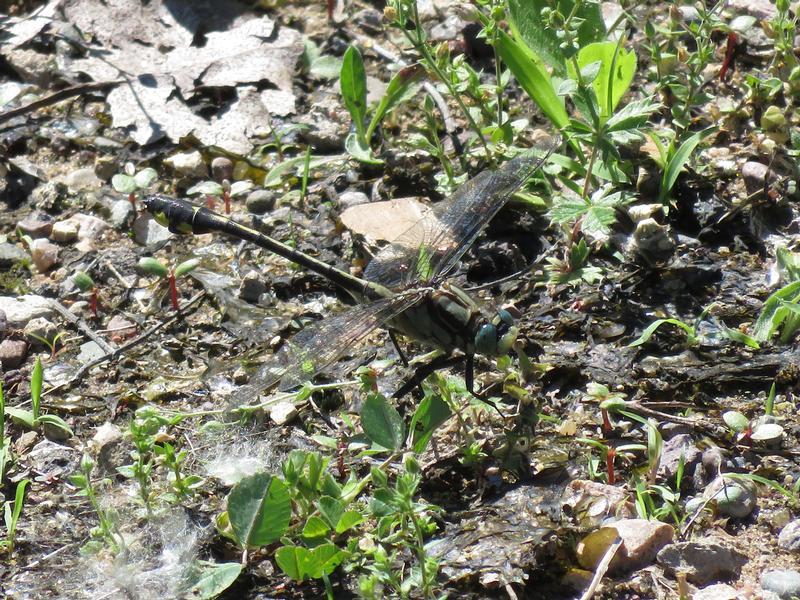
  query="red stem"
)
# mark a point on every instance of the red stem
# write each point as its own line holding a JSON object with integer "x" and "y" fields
{"x": 606, "y": 421}
{"x": 173, "y": 290}
{"x": 227, "y": 198}
{"x": 610, "y": 455}
{"x": 726, "y": 63}
{"x": 132, "y": 199}
{"x": 93, "y": 302}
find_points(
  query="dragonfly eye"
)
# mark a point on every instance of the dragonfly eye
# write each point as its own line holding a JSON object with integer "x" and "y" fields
{"x": 486, "y": 340}
{"x": 506, "y": 341}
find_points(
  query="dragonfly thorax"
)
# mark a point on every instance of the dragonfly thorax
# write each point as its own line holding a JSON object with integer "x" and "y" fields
{"x": 448, "y": 319}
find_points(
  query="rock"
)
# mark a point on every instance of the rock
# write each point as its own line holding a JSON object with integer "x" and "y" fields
{"x": 40, "y": 329}
{"x": 385, "y": 221}
{"x": 11, "y": 255}
{"x": 89, "y": 226}
{"x": 350, "y": 199}
{"x": 259, "y": 202}
{"x": 36, "y": 226}
{"x": 591, "y": 503}
{"x": 12, "y": 354}
{"x": 82, "y": 179}
{"x": 760, "y": 9}
{"x": 122, "y": 212}
{"x": 703, "y": 561}
{"x": 89, "y": 351}
{"x": 222, "y": 168}
{"x": 64, "y": 231}
{"x": 120, "y": 328}
{"x": 283, "y": 412}
{"x": 718, "y": 591}
{"x": 188, "y": 164}
{"x": 253, "y": 285}
{"x": 105, "y": 167}
{"x": 640, "y": 212}
{"x": 641, "y": 541}
{"x": 21, "y": 309}
{"x": 54, "y": 460}
{"x": 44, "y": 254}
{"x": 328, "y": 125}
{"x": 148, "y": 233}
{"x": 784, "y": 582}
{"x": 756, "y": 176}
{"x": 732, "y": 497}
{"x": 789, "y": 538}
{"x": 3, "y": 323}
{"x": 652, "y": 241}
{"x": 675, "y": 447}
{"x": 452, "y": 28}
{"x": 108, "y": 445}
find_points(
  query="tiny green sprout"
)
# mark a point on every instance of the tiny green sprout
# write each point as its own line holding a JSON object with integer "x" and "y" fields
{"x": 84, "y": 283}
{"x": 33, "y": 419}
{"x": 11, "y": 516}
{"x": 155, "y": 267}
{"x": 225, "y": 190}
{"x": 132, "y": 182}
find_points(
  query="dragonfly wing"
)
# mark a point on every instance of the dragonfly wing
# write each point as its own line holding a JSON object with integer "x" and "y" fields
{"x": 319, "y": 345}
{"x": 436, "y": 243}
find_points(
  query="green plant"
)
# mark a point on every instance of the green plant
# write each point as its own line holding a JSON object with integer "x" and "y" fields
{"x": 574, "y": 268}
{"x": 353, "y": 85}
{"x": 34, "y": 419}
{"x": 5, "y": 442}
{"x": 155, "y": 267}
{"x": 782, "y": 29}
{"x": 12, "y": 512}
{"x": 84, "y": 283}
{"x": 133, "y": 182}
{"x": 672, "y": 160}
{"x": 693, "y": 336}
{"x": 107, "y": 532}
{"x": 174, "y": 460}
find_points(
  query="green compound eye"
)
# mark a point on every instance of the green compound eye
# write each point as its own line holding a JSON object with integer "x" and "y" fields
{"x": 486, "y": 340}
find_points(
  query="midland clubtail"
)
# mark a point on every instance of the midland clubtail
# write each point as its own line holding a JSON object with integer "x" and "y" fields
{"x": 404, "y": 287}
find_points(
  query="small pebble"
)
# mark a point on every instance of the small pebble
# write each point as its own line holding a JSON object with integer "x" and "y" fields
{"x": 789, "y": 538}
{"x": 12, "y": 354}
{"x": 253, "y": 285}
{"x": 784, "y": 582}
{"x": 641, "y": 541}
{"x": 122, "y": 212}
{"x": 718, "y": 591}
{"x": 703, "y": 561}
{"x": 188, "y": 164}
{"x": 260, "y": 201}
{"x": 44, "y": 254}
{"x": 36, "y": 226}
{"x": 19, "y": 310}
{"x": 40, "y": 331}
{"x": 82, "y": 179}
{"x": 64, "y": 231}
{"x": 10, "y": 255}
{"x": 283, "y": 412}
{"x": 348, "y": 199}
{"x": 222, "y": 168}
{"x": 732, "y": 497}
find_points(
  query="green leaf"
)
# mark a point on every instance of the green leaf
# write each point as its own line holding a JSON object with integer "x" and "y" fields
{"x": 533, "y": 77}
{"x": 315, "y": 527}
{"x": 678, "y": 161}
{"x": 632, "y": 116}
{"x": 36, "y": 388}
{"x": 326, "y": 67}
{"x": 259, "y": 510}
{"x": 124, "y": 184}
{"x": 735, "y": 420}
{"x": 292, "y": 561}
{"x": 208, "y": 580}
{"x": 82, "y": 281}
{"x": 279, "y": 172}
{"x": 401, "y": 87}
{"x": 651, "y": 329}
{"x": 353, "y": 84}
{"x": 614, "y": 73}
{"x": 382, "y": 423}
{"x": 205, "y": 187}
{"x": 775, "y": 311}
{"x": 331, "y": 510}
{"x": 145, "y": 177}
{"x": 187, "y": 266}
{"x": 323, "y": 560}
{"x": 151, "y": 266}
{"x": 348, "y": 520}
{"x": 55, "y": 421}
{"x": 431, "y": 412}
{"x": 23, "y": 417}
{"x": 741, "y": 337}
{"x": 359, "y": 151}
{"x": 525, "y": 17}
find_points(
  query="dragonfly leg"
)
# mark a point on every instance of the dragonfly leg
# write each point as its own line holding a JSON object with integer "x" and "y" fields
{"x": 415, "y": 381}
{"x": 469, "y": 380}
{"x": 397, "y": 347}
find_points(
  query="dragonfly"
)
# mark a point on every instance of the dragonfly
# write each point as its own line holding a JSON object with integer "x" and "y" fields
{"x": 405, "y": 286}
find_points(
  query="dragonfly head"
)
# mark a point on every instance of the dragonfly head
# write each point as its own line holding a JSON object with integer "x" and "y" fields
{"x": 496, "y": 337}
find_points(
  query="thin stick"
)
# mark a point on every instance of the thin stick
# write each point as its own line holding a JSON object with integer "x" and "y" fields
{"x": 55, "y": 97}
{"x": 81, "y": 326}
{"x": 601, "y": 568}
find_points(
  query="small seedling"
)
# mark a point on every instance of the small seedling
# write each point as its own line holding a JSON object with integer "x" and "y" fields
{"x": 225, "y": 190}
{"x": 84, "y": 283}
{"x": 33, "y": 419}
{"x": 133, "y": 182}
{"x": 107, "y": 529}
{"x": 5, "y": 442}
{"x": 12, "y": 511}
{"x": 155, "y": 267}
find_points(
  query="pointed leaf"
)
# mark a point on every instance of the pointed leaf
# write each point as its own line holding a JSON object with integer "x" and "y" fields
{"x": 353, "y": 84}
{"x": 382, "y": 423}
{"x": 259, "y": 510}
{"x": 209, "y": 580}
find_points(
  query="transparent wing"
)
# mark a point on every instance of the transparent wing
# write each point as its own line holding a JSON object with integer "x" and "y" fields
{"x": 319, "y": 345}
{"x": 435, "y": 244}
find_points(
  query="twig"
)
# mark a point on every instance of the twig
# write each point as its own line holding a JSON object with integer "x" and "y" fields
{"x": 81, "y": 326}
{"x": 80, "y": 373}
{"x": 55, "y": 97}
{"x": 601, "y": 568}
